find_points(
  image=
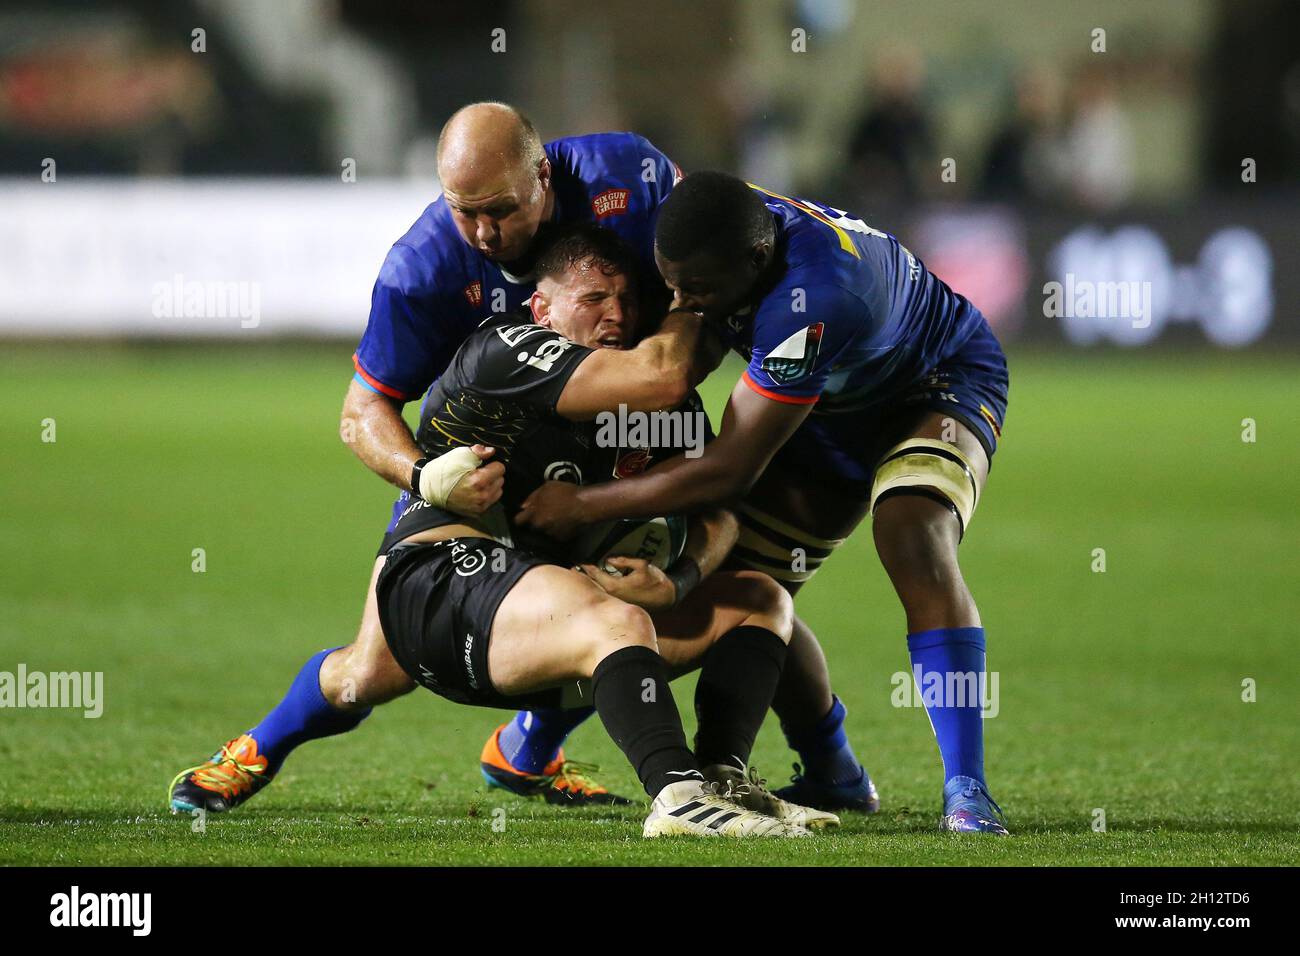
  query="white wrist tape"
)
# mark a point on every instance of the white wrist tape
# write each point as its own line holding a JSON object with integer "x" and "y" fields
{"x": 441, "y": 475}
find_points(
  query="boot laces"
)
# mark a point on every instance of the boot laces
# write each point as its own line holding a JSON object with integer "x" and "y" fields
{"x": 226, "y": 773}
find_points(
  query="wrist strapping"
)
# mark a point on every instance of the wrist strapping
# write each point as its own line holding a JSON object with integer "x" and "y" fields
{"x": 685, "y": 575}
{"x": 437, "y": 477}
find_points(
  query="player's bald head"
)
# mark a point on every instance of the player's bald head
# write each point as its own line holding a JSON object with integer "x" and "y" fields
{"x": 487, "y": 141}
{"x": 495, "y": 177}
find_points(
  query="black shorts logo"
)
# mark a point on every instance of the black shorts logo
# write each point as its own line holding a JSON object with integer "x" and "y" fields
{"x": 466, "y": 560}
{"x": 469, "y": 660}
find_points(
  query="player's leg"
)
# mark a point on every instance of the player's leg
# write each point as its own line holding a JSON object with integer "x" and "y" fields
{"x": 531, "y": 741}
{"x": 525, "y": 756}
{"x": 364, "y": 674}
{"x": 555, "y": 627}
{"x": 331, "y": 694}
{"x": 485, "y": 635}
{"x": 788, "y": 529}
{"x": 927, "y": 483}
{"x": 925, "y": 496}
{"x": 734, "y": 627}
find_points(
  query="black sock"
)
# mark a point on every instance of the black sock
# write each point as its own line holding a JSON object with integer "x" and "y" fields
{"x": 737, "y": 682}
{"x": 631, "y": 693}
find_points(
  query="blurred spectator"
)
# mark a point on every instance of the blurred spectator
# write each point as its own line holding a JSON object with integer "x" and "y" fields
{"x": 1098, "y": 151}
{"x": 1025, "y": 158}
{"x": 763, "y": 127}
{"x": 891, "y": 148}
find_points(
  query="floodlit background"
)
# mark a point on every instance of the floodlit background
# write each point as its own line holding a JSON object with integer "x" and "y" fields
{"x": 1007, "y": 143}
{"x": 195, "y": 198}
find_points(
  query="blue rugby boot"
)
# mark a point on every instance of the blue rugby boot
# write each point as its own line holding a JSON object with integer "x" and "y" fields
{"x": 806, "y": 791}
{"x": 968, "y": 808}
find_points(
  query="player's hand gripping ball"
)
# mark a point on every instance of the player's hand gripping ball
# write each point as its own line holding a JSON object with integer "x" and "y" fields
{"x": 634, "y": 580}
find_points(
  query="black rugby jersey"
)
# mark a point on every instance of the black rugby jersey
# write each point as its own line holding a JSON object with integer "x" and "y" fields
{"x": 501, "y": 389}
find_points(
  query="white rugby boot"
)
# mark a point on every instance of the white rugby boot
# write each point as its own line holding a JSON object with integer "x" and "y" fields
{"x": 692, "y": 808}
{"x": 751, "y": 793}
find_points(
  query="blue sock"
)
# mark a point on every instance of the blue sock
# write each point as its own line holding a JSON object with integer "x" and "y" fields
{"x": 534, "y": 737}
{"x": 303, "y": 715}
{"x": 958, "y": 723}
{"x": 824, "y": 748}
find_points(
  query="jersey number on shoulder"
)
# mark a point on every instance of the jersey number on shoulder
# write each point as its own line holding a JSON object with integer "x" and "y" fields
{"x": 837, "y": 219}
{"x": 546, "y": 354}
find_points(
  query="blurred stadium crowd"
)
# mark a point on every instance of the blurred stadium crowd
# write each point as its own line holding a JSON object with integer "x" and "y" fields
{"x": 986, "y": 134}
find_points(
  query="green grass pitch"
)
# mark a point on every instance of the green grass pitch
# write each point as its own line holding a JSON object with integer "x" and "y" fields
{"x": 1119, "y": 691}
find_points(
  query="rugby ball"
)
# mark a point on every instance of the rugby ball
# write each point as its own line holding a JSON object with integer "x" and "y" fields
{"x": 657, "y": 540}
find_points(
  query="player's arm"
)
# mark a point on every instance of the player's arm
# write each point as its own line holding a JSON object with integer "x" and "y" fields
{"x": 754, "y": 427}
{"x": 402, "y": 350}
{"x": 373, "y": 427}
{"x": 710, "y": 537}
{"x": 656, "y": 375}
{"x": 761, "y": 415}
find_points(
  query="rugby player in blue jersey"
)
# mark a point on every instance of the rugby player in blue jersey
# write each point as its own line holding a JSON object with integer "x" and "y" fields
{"x": 466, "y": 259}
{"x": 871, "y": 388}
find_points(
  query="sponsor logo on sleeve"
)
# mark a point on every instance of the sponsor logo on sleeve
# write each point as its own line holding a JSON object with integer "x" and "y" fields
{"x": 794, "y": 358}
{"x": 474, "y": 294}
{"x": 611, "y": 202}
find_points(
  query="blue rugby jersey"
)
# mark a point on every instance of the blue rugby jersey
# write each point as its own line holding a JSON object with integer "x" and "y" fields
{"x": 851, "y": 318}
{"x": 434, "y": 289}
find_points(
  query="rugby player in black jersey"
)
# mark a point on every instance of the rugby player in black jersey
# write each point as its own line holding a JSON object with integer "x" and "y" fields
{"x": 485, "y": 613}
